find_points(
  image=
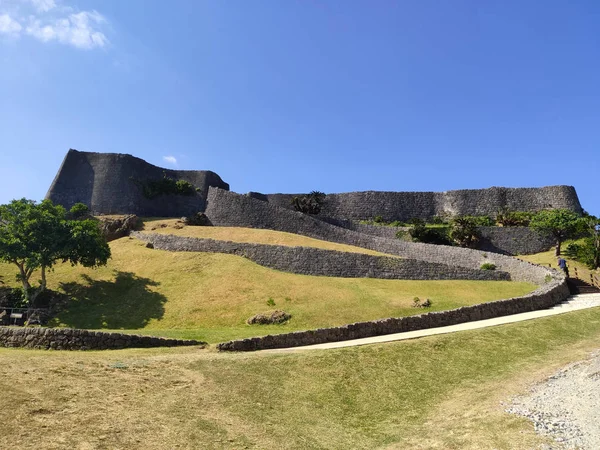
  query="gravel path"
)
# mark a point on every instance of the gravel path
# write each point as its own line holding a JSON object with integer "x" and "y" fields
{"x": 566, "y": 406}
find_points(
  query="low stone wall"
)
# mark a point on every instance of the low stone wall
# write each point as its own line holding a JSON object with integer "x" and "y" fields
{"x": 552, "y": 294}
{"x": 225, "y": 208}
{"x": 316, "y": 261}
{"x": 72, "y": 339}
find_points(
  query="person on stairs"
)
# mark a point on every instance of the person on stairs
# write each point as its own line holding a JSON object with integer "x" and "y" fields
{"x": 562, "y": 263}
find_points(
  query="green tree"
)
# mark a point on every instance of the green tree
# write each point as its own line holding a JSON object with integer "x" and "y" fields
{"x": 463, "y": 231}
{"x": 36, "y": 235}
{"x": 560, "y": 223}
{"x": 587, "y": 251}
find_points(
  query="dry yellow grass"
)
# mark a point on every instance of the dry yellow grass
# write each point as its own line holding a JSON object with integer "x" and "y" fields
{"x": 440, "y": 392}
{"x": 248, "y": 235}
{"x": 210, "y": 296}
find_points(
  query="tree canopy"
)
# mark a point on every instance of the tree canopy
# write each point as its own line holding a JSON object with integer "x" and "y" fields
{"x": 36, "y": 235}
{"x": 560, "y": 223}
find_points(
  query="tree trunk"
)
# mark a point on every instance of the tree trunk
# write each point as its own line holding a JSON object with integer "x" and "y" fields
{"x": 24, "y": 281}
{"x": 558, "y": 242}
{"x": 38, "y": 291}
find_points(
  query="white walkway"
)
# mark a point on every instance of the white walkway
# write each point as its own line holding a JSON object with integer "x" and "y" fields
{"x": 573, "y": 303}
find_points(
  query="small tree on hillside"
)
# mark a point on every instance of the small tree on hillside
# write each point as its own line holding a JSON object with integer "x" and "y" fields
{"x": 587, "y": 251}
{"x": 560, "y": 223}
{"x": 463, "y": 231}
{"x": 36, "y": 235}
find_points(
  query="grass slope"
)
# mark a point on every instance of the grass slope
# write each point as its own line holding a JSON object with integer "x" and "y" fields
{"x": 210, "y": 296}
{"x": 549, "y": 258}
{"x": 248, "y": 235}
{"x": 436, "y": 392}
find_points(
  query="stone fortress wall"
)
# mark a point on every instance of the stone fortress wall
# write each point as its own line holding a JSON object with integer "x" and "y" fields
{"x": 105, "y": 183}
{"x": 226, "y": 208}
{"x": 404, "y": 206}
{"x": 230, "y": 209}
{"x": 320, "y": 262}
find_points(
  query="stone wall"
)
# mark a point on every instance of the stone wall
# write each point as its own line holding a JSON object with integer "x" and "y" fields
{"x": 425, "y": 205}
{"x": 72, "y": 339}
{"x": 553, "y": 293}
{"x": 315, "y": 261}
{"x": 105, "y": 183}
{"x": 226, "y": 208}
{"x": 504, "y": 240}
{"x": 514, "y": 240}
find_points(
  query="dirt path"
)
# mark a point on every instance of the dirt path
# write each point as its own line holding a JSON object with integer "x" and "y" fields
{"x": 566, "y": 406}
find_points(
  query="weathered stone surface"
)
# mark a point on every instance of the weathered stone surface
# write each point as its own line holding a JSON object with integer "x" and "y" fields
{"x": 70, "y": 339}
{"x": 514, "y": 240}
{"x": 425, "y": 205}
{"x": 504, "y": 240}
{"x": 316, "y": 261}
{"x": 117, "y": 227}
{"x": 105, "y": 182}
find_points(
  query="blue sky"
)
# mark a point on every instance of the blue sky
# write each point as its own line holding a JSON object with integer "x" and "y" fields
{"x": 301, "y": 95}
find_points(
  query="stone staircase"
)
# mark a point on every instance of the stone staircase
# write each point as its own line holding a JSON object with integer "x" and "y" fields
{"x": 578, "y": 286}
{"x": 578, "y": 301}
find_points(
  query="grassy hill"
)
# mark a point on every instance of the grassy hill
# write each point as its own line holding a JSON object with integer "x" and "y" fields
{"x": 210, "y": 296}
{"x": 444, "y": 392}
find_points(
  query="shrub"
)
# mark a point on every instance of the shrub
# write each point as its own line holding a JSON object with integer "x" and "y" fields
{"x": 269, "y": 318}
{"x": 586, "y": 252}
{"x": 166, "y": 185}
{"x": 463, "y": 231}
{"x": 508, "y": 218}
{"x": 309, "y": 204}
{"x": 483, "y": 221}
{"x": 488, "y": 266}
{"x": 419, "y": 232}
{"x": 417, "y": 303}
{"x": 270, "y": 302}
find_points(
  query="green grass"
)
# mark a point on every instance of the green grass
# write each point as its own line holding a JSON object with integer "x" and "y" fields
{"x": 210, "y": 296}
{"x": 437, "y": 392}
{"x": 549, "y": 258}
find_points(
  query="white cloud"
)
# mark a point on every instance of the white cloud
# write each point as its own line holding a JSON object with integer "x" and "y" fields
{"x": 170, "y": 160}
{"x": 9, "y": 26}
{"x": 43, "y": 5}
{"x": 46, "y": 22}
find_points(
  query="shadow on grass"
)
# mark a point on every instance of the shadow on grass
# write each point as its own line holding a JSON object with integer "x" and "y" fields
{"x": 126, "y": 302}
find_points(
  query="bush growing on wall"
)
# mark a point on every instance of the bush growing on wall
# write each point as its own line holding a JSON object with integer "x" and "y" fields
{"x": 419, "y": 232}
{"x": 463, "y": 231}
{"x": 166, "y": 185}
{"x": 309, "y": 204}
{"x": 508, "y": 218}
